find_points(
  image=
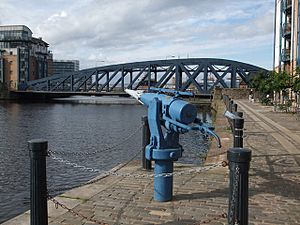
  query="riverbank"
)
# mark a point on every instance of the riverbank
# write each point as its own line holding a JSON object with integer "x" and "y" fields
{"x": 143, "y": 185}
{"x": 115, "y": 100}
{"x": 125, "y": 197}
{"x": 105, "y": 100}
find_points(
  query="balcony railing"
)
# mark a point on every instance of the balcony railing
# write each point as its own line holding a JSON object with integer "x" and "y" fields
{"x": 13, "y": 38}
{"x": 285, "y": 55}
{"x": 287, "y": 6}
{"x": 286, "y": 29}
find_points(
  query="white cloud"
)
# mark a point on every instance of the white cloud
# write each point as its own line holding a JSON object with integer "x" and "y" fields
{"x": 129, "y": 30}
{"x": 56, "y": 17}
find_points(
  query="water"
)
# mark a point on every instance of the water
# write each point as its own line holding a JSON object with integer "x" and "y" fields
{"x": 69, "y": 128}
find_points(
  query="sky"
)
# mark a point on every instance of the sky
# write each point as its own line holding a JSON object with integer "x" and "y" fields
{"x": 104, "y": 32}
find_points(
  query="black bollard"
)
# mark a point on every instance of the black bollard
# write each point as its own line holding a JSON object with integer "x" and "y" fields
{"x": 240, "y": 114}
{"x": 239, "y": 164}
{"x": 38, "y": 182}
{"x": 238, "y": 132}
{"x": 230, "y": 106}
{"x": 227, "y": 101}
{"x": 145, "y": 141}
{"x": 234, "y": 107}
{"x": 224, "y": 98}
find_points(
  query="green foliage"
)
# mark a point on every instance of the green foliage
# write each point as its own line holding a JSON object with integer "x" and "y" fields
{"x": 276, "y": 82}
{"x": 261, "y": 82}
{"x": 285, "y": 106}
{"x": 255, "y": 82}
{"x": 265, "y": 101}
{"x": 273, "y": 81}
{"x": 296, "y": 85}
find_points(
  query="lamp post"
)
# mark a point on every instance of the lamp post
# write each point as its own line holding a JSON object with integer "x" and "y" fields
{"x": 170, "y": 56}
{"x": 99, "y": 61}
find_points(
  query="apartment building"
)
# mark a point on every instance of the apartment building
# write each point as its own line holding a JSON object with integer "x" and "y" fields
{"x": 65, "y": 66}
{"x": 22, "y": 56}
{"x": 286, "y": 35}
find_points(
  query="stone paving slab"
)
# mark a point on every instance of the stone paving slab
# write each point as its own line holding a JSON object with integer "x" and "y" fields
{"x": 275, "y": 171}
{"x": 199, "y": 198}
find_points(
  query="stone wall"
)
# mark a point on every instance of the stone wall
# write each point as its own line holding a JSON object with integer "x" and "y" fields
{"x": 4, "y": 95}
{"x": 237, "y": 93}
{"x": 222, "y": 128}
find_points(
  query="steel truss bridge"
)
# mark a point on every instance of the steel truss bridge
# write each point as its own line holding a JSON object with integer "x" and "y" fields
{"x": 199, "y": 75}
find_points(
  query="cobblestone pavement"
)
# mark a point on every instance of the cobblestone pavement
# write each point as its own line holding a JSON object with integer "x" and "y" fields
{"x": 275, "y": 171}
{"x": 200, "y": 198}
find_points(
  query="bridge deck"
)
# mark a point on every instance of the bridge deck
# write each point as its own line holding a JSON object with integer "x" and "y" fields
{"x": 36, "y": 95}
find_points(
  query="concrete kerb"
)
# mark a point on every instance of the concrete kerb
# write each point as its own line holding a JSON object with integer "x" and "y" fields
{"x": 222, "y": 128}
{"x": 71, "y": 198}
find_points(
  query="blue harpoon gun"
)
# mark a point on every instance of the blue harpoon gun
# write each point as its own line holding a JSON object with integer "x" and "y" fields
{"x": 174, "y": 116}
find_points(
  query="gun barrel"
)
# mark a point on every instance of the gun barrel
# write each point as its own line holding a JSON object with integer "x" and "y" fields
{"x": 136, "y": 94}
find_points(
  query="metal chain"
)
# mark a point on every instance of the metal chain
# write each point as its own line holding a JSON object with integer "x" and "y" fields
{"x": 57, "y": 203}
{"x": 206, "y": 221}
{"x": 75, "y": 213}
{"x": 63, "y": 206}
{"x": 100, "y": 150}
{"x": 216, "y": 218}
{"x": 104, "y": 173}
{"x": 52, "y": 154}
{"x": 217, "y": 154}
{"x": 90, "y": 169}
{"x": 73, "y": 164}
{"x": 233, "y": 217}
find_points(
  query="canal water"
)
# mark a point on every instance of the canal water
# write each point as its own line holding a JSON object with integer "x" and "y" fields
{"x": 70, "y": 128}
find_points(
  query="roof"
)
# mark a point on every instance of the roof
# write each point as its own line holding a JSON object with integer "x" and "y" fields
{"x": 39, "y": 41}
{"x": 15, "y": 27}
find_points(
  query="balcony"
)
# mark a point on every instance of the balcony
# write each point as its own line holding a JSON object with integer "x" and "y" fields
{"x": 287, "y": 6}
{"x": 285, "y": 55}
{"x": 286, "y": 30}
{"x": 13, "y": 38}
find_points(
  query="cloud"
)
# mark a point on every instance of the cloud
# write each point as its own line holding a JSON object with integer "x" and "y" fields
{"x": 129, "y": 30}
{"x": 57, "y": 16}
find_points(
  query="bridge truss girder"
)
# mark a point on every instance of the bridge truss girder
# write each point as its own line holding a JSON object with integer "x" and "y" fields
{"x": 199, "y": 75}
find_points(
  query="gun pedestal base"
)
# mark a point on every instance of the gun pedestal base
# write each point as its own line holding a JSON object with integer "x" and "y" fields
{"x": 163, "y": 180}
{"x": 163, "y": 171}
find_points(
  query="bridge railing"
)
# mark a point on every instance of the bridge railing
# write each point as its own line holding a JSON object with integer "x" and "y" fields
{"x": 201, "y": 75}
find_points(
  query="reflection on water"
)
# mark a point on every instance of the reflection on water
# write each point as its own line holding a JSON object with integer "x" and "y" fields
{"x": 70, "y": 128}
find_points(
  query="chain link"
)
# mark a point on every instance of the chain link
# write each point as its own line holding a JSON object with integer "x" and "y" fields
{"x": 104, "y": 173}
{"x": 100, "y": 150}
{"x": 59, "y": 159}
{"x": 75, "y": 213}
{"x": 67, "y": 162}
{"x": 72, "y": 164}
{"x": 53, "y": 155}
{"x": 57, "y": 203}
{"x": 216, "y": 218}
{"x": 206, "y": 168}
{"x": 63, "y": 206}
{"x": 233, "y": 217}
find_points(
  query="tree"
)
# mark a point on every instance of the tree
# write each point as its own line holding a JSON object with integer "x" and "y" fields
{"x": 263, "y": 84}
{"x": 296, "y": 85}
{"x": 273, "y": 83}
{"x": 296, "y": 81}
{"x": 278, "y": 83}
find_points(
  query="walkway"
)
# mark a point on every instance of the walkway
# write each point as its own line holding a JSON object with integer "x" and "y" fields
{"x": 275, "y": 169}
{"x": 200, "y": 197}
